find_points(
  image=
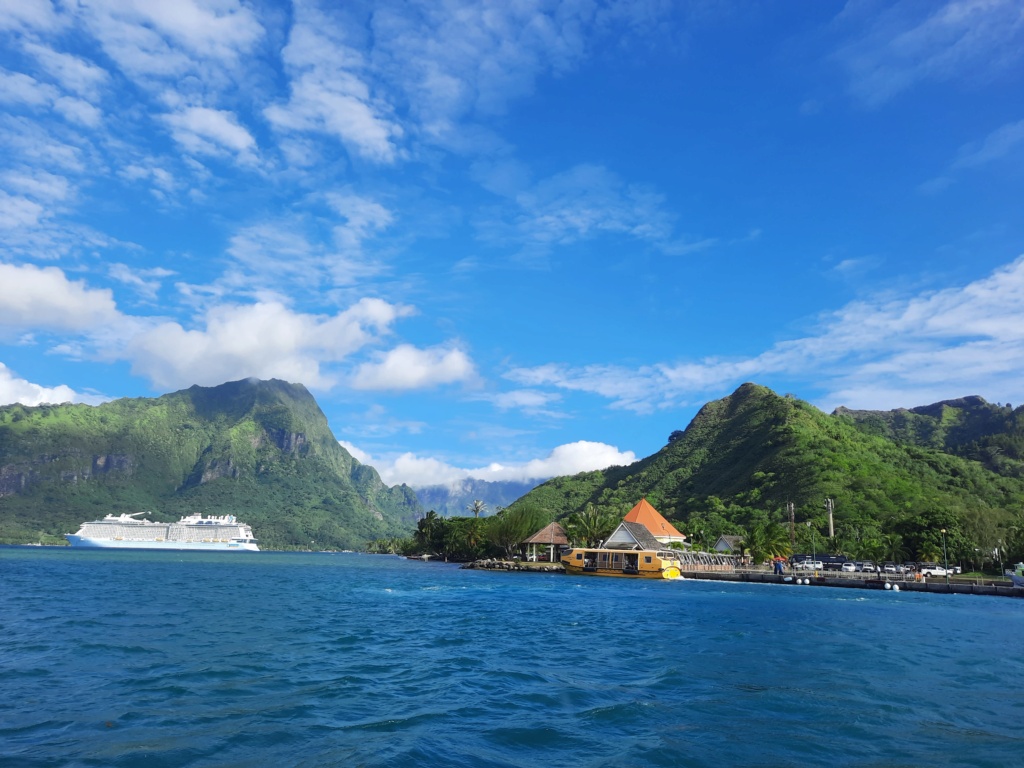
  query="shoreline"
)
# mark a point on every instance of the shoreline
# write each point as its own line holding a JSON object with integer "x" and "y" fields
{"x": 989, "y": 589}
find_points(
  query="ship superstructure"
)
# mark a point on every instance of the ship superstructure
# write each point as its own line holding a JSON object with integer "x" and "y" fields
{"x": 195, "y": 532}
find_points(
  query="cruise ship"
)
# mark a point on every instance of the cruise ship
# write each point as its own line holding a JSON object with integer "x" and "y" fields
{"x": 195, "y": 532}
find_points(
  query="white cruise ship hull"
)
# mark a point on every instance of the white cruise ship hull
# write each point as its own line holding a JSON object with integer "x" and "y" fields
{"x": 205, "y": 546}
{"x": 192, "y": 532}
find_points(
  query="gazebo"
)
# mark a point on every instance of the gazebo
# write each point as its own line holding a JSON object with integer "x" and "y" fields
{"x": 549, "y": 536}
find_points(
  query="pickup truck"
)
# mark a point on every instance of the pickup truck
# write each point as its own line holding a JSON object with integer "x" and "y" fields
{"x": 933, "y": 570}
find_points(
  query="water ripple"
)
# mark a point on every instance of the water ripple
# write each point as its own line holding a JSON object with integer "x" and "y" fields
{"x": 323, "y": 660}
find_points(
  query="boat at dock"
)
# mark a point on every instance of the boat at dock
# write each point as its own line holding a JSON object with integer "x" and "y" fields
{"x": 193, "y": 532}
{"x": 1016, "y": 575}
{"x": 643, "y": 564}
{"x": 643, "y": 546}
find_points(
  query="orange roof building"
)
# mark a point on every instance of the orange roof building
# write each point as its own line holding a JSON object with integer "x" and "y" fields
{"x": 652, "y": 520}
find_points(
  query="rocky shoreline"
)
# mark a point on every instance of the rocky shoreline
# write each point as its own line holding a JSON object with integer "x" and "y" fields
{"x": 492, "y": 564}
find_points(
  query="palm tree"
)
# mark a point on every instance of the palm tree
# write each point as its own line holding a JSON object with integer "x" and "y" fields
{"x": 589, "y": 527}
{"x": 767, "y": 540}
{"x": 892, "y": 543}
{"x": 476, "y": 508}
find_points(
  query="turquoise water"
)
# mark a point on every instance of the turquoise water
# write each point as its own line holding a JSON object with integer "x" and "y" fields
{"x": 189, "y": 659}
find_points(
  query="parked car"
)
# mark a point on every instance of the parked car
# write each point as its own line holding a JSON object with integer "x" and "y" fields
{"x": 889, "y": 568}
{"x": 867, "y": 567}
{"x": 927, "y": 569}
{"x": 849, "y": 568}
{"x": 809, "y": 565}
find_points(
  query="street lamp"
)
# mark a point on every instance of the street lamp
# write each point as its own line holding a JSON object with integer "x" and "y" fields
{"x": 945, "y": 560}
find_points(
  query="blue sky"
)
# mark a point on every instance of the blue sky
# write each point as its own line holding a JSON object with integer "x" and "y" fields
{"x": 513, "y": 239}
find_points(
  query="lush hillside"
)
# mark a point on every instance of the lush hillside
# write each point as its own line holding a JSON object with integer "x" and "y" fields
{"x": 261, "y": 450}
{"x": 742, "y": 458}
{"x": 970, "y": 427}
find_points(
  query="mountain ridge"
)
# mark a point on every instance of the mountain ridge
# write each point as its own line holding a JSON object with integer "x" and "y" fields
{"x": 261, "y": 450}
{"x": 744, "y": 457}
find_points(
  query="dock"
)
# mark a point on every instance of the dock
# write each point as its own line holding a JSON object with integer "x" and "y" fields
{"x": 876, "y": 581}
{"x": 715, "y": 572}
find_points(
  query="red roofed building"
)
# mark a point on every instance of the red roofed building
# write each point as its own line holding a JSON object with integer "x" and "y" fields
{"x": 651, "y": 519}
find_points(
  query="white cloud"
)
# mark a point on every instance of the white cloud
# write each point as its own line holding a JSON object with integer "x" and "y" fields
{"x": 15, "y": 390}
{"x": 38, "y": 184}
{"x": 263, "y": 340}
{"x": 147, "y": 282}
{"x": 996, "y": 145}
{"x": 907, "y": 42}
{"x": 78, "y": 111}
{"x": 883, "y": 352}
{"x": 330, "y": 92}
{"x": 35, "y": 146}
{"x": 363, "y": 218}
{"x": 17, "y": 212}
{"x": 33, "y": 297}
{"x": 28, "y": 14}
{"x": 420, "y": 471}
{"x": 407, "y": 367}
{"x": 527, "y": 400}
{"x": 18, "y": 88}
{"x": 75, "y": 75}
{"x": 163, "y": 40}
{"x": 586, "y": 202}
{"x": 458, "y": 63}
{"x": 285, "y": 254}
{"x": 149, "y": 170}
{"x": 214, "y": 132}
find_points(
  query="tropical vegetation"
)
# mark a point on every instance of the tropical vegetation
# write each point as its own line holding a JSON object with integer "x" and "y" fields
{"x": 261, "y": 450}
{"x": 903, "y": 483}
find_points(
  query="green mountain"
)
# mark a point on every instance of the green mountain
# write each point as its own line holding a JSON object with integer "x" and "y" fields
{"x": 896, "y": 478}
{"x": 261, "y": 450}
{"x": 990, "y": 433}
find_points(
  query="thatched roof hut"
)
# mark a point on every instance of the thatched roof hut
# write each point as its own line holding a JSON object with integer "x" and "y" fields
{"x": 550, "y": 536}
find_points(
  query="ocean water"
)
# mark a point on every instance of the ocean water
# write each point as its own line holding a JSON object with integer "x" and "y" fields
{"x": 194, "y": 659}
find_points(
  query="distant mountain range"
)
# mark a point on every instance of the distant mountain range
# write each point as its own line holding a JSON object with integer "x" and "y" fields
{"x": 261, "y": 450}
{"x": 453, "y": 499}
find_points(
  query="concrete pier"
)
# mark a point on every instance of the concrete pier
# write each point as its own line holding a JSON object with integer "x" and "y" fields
{"x": 935, "y": 585}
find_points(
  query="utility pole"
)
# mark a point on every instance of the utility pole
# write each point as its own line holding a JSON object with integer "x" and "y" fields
{"x": 791, "y": 508}
{"x": 829, "y": 507}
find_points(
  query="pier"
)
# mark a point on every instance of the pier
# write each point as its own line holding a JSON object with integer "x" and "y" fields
{"x": 717, "y": 571}
{"x": 958, "y": 587}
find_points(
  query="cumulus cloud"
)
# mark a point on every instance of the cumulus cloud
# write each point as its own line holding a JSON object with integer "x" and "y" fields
{"x": 16, "y": 390}
{"x": 569, "y": 459}
{"x": 883, "y": 352}
{"x": 32, "y": 297}
{"x": 264, "y": 340}
{"x": 408, "y": 367}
